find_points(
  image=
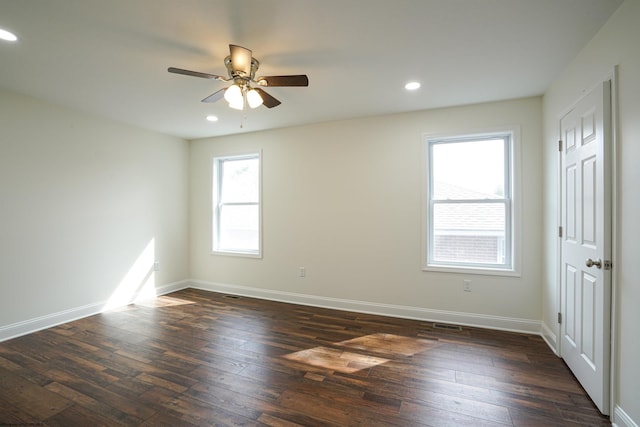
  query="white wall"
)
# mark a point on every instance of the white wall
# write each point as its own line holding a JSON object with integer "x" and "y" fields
{"x": 344, "y": 200}
{"x": 80, "y": 200}
{"x": 616, "y": 43}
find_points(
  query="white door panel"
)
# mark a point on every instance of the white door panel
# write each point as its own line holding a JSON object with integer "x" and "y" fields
{"x": 586, "y": 290}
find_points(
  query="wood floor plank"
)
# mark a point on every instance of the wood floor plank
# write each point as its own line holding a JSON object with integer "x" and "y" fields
{"x": 345, "y": 412}
{"x": 456, "y": 404}
{"x": 78, "y": 415}
{"x": 501, "y": 398}
{"x": 201, "y": 413}
{"x": 84, "y": 404}
{"x": 10, "y": 414}
{"x": 100, "y": 394}
{"x": 29, "y": 397}
{"x": 436, "y": 417}
{"x": 165, "y": 419}
{"x": 197, "y": 358}
{"x": 272, "y": 421}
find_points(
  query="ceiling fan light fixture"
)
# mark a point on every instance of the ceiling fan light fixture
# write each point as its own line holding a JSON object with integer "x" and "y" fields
{"x": 233, "y": 95}
{"x": 237, "y": 104}
{"x": 254, "y": 99}
{"x": 241, "y": 67}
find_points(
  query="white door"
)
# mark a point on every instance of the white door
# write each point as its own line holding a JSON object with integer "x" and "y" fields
{"x": 586, "y": 242}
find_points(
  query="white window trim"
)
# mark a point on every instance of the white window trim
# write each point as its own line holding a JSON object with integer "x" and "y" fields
{"x": 213, "y": 217}
{"x": 516, "y": 204}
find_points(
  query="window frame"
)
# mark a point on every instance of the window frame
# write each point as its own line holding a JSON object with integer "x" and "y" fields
{"x": 512, "y": 203}
{"x": 216, "y": 204}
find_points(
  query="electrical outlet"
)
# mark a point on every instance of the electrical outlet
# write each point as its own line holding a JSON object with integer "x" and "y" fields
{"x": 156, "y": 266}
{"x": 466, "y": 285}
{"x": 303, "y": 272}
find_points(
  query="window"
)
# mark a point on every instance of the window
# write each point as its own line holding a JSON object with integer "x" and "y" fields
{"x": 470, "y": 209}
{"x": 236, "y": 205}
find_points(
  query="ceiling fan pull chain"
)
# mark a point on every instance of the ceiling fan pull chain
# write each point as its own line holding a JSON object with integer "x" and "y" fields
{"x": 243, "y": 113}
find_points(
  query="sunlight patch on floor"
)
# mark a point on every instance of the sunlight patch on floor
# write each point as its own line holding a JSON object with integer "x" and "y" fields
{"x": 348, "y": 362}
{"x": 389, "y": 344}
{"x": 335, "y": 360}
{"x": 163, "y": 301}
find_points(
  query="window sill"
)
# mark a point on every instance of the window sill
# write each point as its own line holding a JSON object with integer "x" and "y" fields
{"x": 238, "y": 254}
{"x": 471, "y": 270}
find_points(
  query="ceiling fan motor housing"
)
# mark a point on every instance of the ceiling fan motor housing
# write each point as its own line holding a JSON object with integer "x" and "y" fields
{"x": 236, "y": 73}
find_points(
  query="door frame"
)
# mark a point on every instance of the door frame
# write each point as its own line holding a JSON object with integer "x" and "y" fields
{"x": 611, "y": 76}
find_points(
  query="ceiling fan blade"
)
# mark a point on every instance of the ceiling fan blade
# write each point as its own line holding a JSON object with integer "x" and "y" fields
{"x": 267, "y": 100}
{"x": 297, "y": 80}
{"x": 215, "y": 96}
{"x": 240, "y": 59}
{"x": 194, "y": 73}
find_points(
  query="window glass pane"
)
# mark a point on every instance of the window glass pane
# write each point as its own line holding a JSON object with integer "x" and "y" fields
{"x": 471, "y": 233}
{"x": 240, "y": 180}
{"x": 239, "y": 228}
{"x": 468, "y": 169}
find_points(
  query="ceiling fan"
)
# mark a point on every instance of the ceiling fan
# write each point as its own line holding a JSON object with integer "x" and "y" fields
{"x": 242, "y": 67}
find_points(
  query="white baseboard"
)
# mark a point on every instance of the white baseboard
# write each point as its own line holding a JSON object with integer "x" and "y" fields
{"x": 417, "y": 313}
{"x": 621, "y": 419}
{"x": 33, "y": 325}
{"x": 549, "y": 337}
{"x": 406, "y": 312}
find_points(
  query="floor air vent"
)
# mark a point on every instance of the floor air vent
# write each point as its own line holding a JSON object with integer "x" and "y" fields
{"x": 232, "y": 296}
{"x": 447, "y": 327}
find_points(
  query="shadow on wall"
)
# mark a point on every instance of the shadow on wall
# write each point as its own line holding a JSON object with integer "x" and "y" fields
{"x": 139, "y": 282}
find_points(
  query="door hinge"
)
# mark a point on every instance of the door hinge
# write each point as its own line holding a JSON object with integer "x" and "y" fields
{"x": 560, "y": 231}
{"x": 559, "y": 318}
{"x": 560, "y": 145}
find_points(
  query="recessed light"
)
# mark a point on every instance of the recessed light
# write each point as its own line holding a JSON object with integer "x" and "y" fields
{"x": 212, "y": 118}
{"x": 7, "y": 36}
{"x": 412, "y": 86}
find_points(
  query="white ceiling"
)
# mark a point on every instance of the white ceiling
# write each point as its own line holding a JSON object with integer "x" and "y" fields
{"x": 110, "y": 57}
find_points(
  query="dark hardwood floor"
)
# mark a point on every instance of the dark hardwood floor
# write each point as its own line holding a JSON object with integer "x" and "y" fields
{"x": 201, "y": 358}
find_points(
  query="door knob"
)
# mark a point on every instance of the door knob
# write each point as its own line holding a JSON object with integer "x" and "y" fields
{"x": 591, "y": 263}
